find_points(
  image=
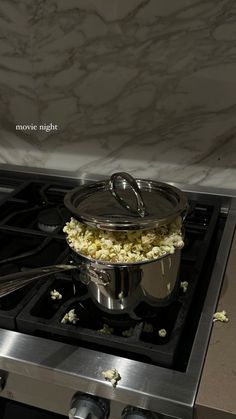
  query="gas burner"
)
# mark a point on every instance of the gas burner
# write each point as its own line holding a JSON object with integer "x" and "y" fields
{"x": 49, "y": 220}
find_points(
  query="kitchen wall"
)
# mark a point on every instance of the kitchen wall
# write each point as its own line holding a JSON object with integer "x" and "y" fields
{"x": 146, "y": 86}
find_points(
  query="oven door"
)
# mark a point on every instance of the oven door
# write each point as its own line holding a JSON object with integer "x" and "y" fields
{"x": 13, "y": 410}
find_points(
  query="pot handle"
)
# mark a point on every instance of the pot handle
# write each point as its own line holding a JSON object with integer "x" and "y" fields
{"x": 15, "y": 281}
{"x": 141, "y": 210}
{"x": 98, "y": 277}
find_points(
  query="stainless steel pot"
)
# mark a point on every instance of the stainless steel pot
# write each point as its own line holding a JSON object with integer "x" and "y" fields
{"x": 123, "y": 203}
{"x": 120, "y": 288}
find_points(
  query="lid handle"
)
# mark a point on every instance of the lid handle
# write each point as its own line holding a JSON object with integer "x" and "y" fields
{"x": 141, "y": 210}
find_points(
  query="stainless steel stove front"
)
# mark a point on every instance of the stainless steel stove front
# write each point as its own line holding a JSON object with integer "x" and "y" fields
{"x": 47, "y": 374}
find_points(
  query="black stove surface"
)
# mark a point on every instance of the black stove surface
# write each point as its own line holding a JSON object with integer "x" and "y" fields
{"x": 32, "y": 217}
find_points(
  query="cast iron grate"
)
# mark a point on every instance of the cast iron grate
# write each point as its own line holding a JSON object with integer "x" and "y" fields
{"x": 24, "y": 244}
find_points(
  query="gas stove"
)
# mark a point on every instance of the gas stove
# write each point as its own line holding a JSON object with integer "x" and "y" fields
{"x": 63, "y": 362}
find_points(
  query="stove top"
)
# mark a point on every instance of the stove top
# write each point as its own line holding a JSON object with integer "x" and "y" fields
{"x": 32, "y": 219}
{"x": 32, "y": 216}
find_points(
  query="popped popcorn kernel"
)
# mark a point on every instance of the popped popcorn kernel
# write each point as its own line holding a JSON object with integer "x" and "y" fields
{"x": 55, "y": 295}
{"x": 112, "y": 375}
{"x": 162, "y": 333}
{"x": 220, "y": 316}
{"x": 106, "y": 330}
{"x": 184, "y": 286}
{"x": 70, "y": 317}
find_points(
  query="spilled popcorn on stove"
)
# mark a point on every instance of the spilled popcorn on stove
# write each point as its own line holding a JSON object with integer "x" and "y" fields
{"x": 162, "y": 333}
{"x": 184, "y": 286}
{"x": 112, "y": 375}
{"x": 70, "y": 317}
{"x": 124, "y": 246}
{"x": 106, "y": 330}
{"x": 55, "y": 295}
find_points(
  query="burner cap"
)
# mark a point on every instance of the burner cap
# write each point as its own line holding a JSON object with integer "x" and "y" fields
{"x": 49, "y": 220}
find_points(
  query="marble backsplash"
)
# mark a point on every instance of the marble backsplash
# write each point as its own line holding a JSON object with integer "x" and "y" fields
{"x": 144, "y": 86}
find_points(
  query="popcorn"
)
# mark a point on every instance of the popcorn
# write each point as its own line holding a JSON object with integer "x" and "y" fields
{"x": 124, "y": 246}
{"x": 55, "y": 295}
{"x": 70, "y": 317}
{"x": 112, "y": 375}
{"x": 220, "y": 316}
{"x": 162, "y": 333}
{"x": 106, "y": 330}
{"x": 184, "y": 285}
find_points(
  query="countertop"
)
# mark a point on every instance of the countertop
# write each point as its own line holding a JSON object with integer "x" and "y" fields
{"x": 141, "y": 86}
{"x": 216, "y": 398}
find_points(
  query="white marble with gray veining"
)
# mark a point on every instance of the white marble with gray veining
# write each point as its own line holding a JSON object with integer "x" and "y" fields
{"x": 145, "y": 86}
